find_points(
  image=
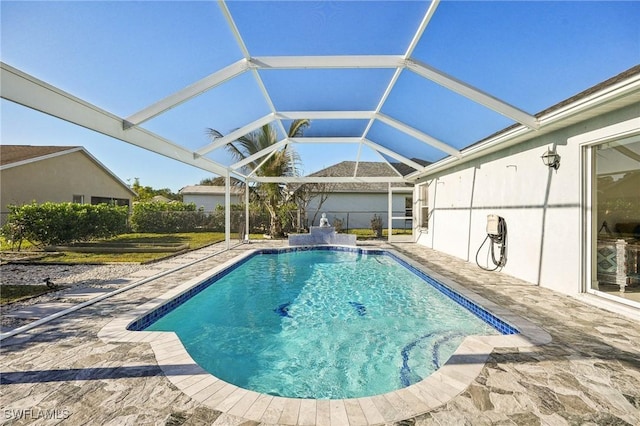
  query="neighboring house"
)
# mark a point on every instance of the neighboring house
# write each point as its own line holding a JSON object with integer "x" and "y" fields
{"x": 57, "y": 174}
{"x": 355, "y": 203}
{"x": 574, "y": 228}
{"x": 161, "y": 199}
{"x": 207, "y": 197}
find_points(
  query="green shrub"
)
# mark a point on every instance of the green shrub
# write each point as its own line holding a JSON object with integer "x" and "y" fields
{"x": 166, "y": 217}
{"x": 63, "y": 223}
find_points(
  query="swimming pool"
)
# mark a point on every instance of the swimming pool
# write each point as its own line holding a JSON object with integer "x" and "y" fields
{"x": 322, "y": 323}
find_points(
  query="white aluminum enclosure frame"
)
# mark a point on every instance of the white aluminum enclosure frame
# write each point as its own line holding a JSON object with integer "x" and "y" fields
{"x": 130, "y": 127}
{"x": 31, "y": 92}
{"x": 390, "y": 216}
{"x": 397, "y": 62}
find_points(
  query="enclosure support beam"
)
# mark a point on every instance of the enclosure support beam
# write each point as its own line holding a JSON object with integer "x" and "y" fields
{"x": 247, "y": 56}
{"x": 412, "y": 45}
{"x": 422, "y": 137}
{"x": 389, "y": 213}
{"x": 325, "y": 139}
{"x": 472, "y": 93}
{"x": 327, "y": 62}
{"x": 258, "y": 154}
{"x": 246, "y": 212}
{"x": 187, "y": 93}
{"x": 23, "y": 89}
{"x": 328, "y": 179}
{"x": 393, "y": 154}
{"x": 227, "y": 211}
{"x": 325, "y": 115}
{"x": 238, "y": 133}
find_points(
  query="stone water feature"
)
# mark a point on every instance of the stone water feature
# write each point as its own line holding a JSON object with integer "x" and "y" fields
{"x": 323, "y": 234}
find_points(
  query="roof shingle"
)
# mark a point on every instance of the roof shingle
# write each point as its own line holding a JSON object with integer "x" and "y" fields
{"x": 10, "y": 154}
{"x": 365, "y": 169}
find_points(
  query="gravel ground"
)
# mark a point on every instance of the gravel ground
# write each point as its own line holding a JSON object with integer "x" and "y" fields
{"x": 65, "y": 276}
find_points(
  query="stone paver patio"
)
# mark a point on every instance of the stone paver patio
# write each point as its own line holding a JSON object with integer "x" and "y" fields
{"x": 62, "y": 372}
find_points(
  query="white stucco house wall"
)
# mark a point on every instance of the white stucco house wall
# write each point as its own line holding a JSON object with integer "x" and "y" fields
{"x": 554, "y": 217}
{"x": 353, "y": 203}
{"x": 356, "y": 203}
{"x": 58, "y": 174}
{"x": 207, "y": 197}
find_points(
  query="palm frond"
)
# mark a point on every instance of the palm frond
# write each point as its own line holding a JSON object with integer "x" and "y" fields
{"x": 280, "y": 162}
{"x": 213, "y": 134}
{"x": 298, "y": 126}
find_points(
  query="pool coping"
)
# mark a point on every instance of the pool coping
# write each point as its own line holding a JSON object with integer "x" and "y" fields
{"x": 437, "y": 389}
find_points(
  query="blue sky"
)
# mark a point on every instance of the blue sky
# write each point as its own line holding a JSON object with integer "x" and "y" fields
{"x": 123, "y": 56}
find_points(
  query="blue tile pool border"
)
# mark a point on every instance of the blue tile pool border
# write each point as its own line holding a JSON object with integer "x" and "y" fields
{"x": 486, "y": 316}
{"x": 474, "y": 308}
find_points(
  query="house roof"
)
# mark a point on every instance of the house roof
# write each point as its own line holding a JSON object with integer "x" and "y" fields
{"x": 207, "y": 190}
{"x": 614, "y": 93}
{"x": 161, "y": 199}
{"x": 11, "y": 154}
{"x": 362, "y": 169}
{"x": 18, "y": 155}
{"x": 625, "y": 75}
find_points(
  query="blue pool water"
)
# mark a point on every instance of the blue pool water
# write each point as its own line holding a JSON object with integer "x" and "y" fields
{"x": 321, "y": 324}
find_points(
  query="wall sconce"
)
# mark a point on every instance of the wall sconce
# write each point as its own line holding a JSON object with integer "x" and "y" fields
{"x": 551, "y": 159}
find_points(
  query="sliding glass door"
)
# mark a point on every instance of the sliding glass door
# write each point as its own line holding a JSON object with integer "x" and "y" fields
{"x": 615, "y": 215}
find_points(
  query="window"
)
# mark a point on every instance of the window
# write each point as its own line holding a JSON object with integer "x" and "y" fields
{"x": 78, "y": 199}
{"x": 408, "y": 207}
{"x": 424, "y": 206}
{"x": 109, "y": 200}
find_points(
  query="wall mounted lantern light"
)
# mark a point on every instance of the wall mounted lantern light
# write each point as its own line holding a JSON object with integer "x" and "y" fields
{"x": 551, "y": 159}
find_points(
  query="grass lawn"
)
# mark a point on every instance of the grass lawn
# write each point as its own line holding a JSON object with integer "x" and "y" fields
{"x": 365, "y": 233}
{"x": 195, "y": 240}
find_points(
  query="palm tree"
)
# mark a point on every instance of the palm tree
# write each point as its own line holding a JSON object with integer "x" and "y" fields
{"x": 282, "y": 162}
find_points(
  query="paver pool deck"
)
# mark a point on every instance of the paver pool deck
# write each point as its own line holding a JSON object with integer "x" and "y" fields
{"x": 589, "y": 373}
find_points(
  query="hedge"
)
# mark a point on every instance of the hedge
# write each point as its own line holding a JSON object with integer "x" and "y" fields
{"x": 166, "y": 217}
{"x": 63, "y": 223}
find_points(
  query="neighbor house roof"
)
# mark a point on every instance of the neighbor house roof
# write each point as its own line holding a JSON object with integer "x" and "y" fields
{"x": 364, "y": 169}
{"x": 207, "y": 190}
{"x": 161, "y": 199}
{"x": 20, "y": 154}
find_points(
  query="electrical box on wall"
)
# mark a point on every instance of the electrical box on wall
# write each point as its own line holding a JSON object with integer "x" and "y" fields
{"x": 492, "y": 224}
{"x": 497, "y": 235}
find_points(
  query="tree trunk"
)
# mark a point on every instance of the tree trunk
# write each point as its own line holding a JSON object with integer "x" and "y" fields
{"x": 276, "y": 226}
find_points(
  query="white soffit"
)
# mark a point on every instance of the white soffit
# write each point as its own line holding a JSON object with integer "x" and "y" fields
{"x": 610, "y": 98}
